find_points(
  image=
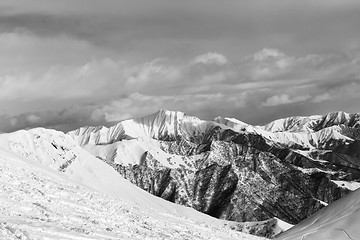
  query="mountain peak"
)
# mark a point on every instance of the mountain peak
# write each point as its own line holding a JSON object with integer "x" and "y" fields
{"x": 167, "y": 111}
{"x": 215, "y": 166}
{"x": 162, "y": 114}
{"x": 338, "y": 118}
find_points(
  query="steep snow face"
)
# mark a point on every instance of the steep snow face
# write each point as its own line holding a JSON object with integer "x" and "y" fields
{"x": 162, "y": 125}
{"x": 326, "y": 138}
{"x": 338, "y": 118}
{"x": 45, "y": 147}
{"x": 313, "y": 123}
{"x": 37, "y": 202}
{"x": 292, "y": 124}
{"x": 320, "y": 132}
{"x": 144, "y": 136}
{"x": 338, "y": 221}
{"x": 348, "y": 185}
{"x": 313, "y": 132}
{"x": 57, "y": 151}
{"x": 132, "y": 152}
{"x": 216, "y": 166}
{"x": 291, "y": 139}
{"x": 202, "y": 163}
{"x": 234, "y": 124}
{"x": 165, "y": 125}
{"x": 233, "y": 170}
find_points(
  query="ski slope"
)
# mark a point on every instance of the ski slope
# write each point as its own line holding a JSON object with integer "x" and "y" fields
{"x": 89, "y": 200}
{"x": 338, "y": 221}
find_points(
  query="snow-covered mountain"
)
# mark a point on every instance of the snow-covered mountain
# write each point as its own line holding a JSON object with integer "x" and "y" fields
{"x": 163, "y": 125}
{"x": 338, "y": 221}
{"x": 313, "y": 132}
{"x": 287, "y": 169}
{"x": 269, "y": 176}
{"x": 53, "y": 189}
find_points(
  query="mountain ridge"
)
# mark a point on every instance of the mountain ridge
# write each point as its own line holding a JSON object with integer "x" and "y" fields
{"x": 88, "y": 200}
{"x": 215, "y": 166}
{"x": 225, "y": 168}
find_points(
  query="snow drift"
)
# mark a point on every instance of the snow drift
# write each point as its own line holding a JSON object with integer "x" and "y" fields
{"x": 338, "y": 221}
{"x": 53, "y": 189}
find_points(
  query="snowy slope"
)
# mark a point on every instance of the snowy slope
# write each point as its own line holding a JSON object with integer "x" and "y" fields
{"x": 130, "y": 152}
{"x": 37, "y": 146}
{"x": 304, "y": 133}
{"x": 41, "y": 198}
{"x": 126, "y": 142}
{"x": 166, "y": 139}
{"x": 313, "y": 132}
{"x": 162, "y": 125}
{"x": 338, "y": 221}
{"x": 167, "y": 153}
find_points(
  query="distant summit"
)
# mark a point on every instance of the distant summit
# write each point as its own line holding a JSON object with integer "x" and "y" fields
{"x": 272, "y": 176}
{"x": 287, "y": 169}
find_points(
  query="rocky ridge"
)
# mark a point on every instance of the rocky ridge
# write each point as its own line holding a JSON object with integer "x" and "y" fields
{"x": 40, "y": 198}
{"x": 287, "y": 169}
{"x": 338, "y": 221}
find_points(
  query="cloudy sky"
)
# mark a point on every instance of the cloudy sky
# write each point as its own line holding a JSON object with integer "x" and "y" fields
{"x": 70, "y": 63}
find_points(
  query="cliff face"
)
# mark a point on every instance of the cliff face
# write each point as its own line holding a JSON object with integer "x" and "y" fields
{"x": 288, "y": 169}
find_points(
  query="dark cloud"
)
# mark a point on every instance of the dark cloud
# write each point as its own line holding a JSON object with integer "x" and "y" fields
{"x": 254, "y": 60}
{"x": 274, "y": 81}
{"x": 163, "y": 28}
{"x": 39, "y": 23}
{"x": 64, "y": 119}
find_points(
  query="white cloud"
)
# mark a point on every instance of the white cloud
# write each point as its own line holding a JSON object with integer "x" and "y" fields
{"x": 346, "y": 91}
{"x": 262, "y": 72}
{"x": 321, "y": 98}
{"x": 119, "y": 89}
{"x": 150, "y": 73}
{"x": 268, "y": 53}
{"x": 137, "y": 105}
{"x": 106, "y": 78}
{"x": 63, "y": 119}
{"x": 95, "y": 79}
{"x": 269, "y": 63}
{"x": 21, "y": 51}
{"x": 211, "y": 58}
{"x": 284, "y": 99}
{"x": 32, "y": 118}
{"x": 13, "y": 121}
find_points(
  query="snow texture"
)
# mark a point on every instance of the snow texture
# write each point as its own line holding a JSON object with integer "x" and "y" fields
{"x": 50, "y": 188}
{"x": 338, "y": 221}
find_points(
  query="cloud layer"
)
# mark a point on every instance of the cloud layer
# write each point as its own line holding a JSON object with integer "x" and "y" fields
{"x": 206, "y": 85}
{"x": 63, "y": 65}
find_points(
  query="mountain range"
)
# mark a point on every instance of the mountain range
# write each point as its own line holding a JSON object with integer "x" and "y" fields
{"x": 257, "y": 179}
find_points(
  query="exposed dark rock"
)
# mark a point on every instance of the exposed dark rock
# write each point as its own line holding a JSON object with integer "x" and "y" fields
{"x": 245, "y": 176}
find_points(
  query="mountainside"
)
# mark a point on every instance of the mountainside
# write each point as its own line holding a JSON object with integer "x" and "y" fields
{"x": 50, "y": 188}
{"x": 287, "y": 169}
{"x": 338, "y": 221}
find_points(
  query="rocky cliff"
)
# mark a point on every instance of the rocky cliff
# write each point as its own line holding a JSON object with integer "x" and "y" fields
{"x": 287, "y": 169}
